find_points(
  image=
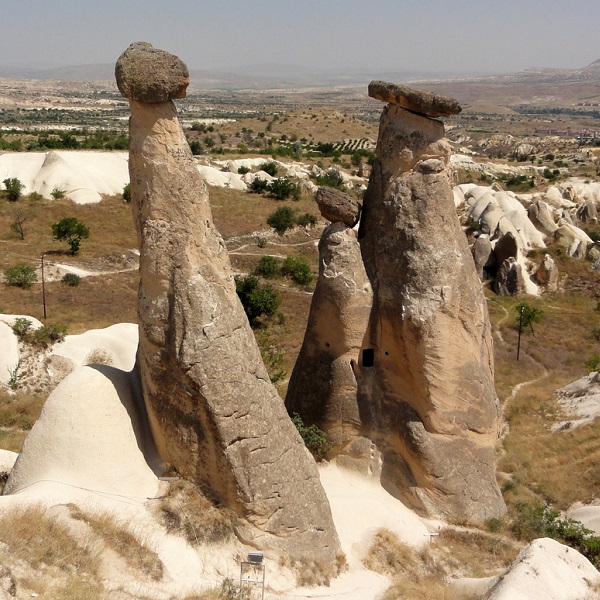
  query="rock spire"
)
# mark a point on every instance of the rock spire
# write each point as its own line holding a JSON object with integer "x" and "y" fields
{"x": 214, "y": 413}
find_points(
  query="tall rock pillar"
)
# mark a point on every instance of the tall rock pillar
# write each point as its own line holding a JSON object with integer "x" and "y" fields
{"x": 214, "y": 413}
{"x": 427, "y": 368}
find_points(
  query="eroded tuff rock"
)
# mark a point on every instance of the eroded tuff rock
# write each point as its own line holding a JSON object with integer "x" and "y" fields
{"x": 419, "y": 101}
{"x": 336, "y": 206}
{"x": 510, "y": 279}
{"x": 146, "y": 74}
{"x": 427, "y": 365}
{"x": 322, "y": 387}
{"x": 547, "y": 274}
{"x": 483, "y": 255}
{"x": 214, "y": 413}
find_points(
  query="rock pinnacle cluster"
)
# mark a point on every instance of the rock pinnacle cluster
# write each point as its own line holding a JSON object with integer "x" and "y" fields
{"x": 423, "y": 388}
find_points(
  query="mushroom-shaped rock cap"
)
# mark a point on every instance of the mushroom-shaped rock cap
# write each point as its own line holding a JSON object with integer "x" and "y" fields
{"x": 335, "y": 206}
{"x": 419, "y": 101}
{"x": 146, "y": 74}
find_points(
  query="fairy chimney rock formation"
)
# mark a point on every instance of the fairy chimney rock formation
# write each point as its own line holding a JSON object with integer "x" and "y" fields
{"x": 322, "y": 387}
{"x": 427, "y": 363}
{"x": 336, "y": 206}
{"x": 214, "y": 413}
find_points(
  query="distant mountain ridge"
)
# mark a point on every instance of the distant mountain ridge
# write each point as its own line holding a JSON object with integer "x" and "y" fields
{"x": 265, "y": 76}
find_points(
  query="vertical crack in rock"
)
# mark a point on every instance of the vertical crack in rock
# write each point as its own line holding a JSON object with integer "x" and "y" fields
{"x": 433, "y": 410}
{"x": 210, "y": 402}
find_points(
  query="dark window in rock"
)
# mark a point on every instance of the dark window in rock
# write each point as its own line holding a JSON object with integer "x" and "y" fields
{"x": 368, "y": 357}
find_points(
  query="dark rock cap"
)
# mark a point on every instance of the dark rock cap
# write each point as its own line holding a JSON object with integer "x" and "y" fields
{"x": 419, "y": 101}
{"x": 146, "y": 74}
{"x": 335, "y": 206}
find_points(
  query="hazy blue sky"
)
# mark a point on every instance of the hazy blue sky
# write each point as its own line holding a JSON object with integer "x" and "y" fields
{"x": 432, "y": 35}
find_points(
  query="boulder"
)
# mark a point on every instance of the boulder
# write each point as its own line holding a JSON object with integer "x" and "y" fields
{"x": 426, "y": 391}
{"x": 322, "y": 387}
{"x": 510, "y": 279}
{"x": 336, "y": 206}
{"x": 146, "y": 74}
{"x": 419, "y": 101}
{"x": 547, "y": 274}
{"x": 215, "y": 415}
{"x": 482, "y": 255}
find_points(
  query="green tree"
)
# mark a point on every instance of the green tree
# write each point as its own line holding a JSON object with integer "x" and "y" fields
{"x": 527, "y": 315}
{"x": 72, "y": 231}
{"x": 282, "y": 219}
{"x": 20, "y": 276}
{"x": 268, "y": 266}
{"x": 298, "y": 269}
{"x": 314, "y": 439}
{"x": 257, "y": 299}
{"x": 14, "y": 188}
{"x": 127, "y": 193}
{"x": 270, "y": 167}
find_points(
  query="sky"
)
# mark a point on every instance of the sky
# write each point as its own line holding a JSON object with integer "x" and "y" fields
{"x": 433, "y": 36}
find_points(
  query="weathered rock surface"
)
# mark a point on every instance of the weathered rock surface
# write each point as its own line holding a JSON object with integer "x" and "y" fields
{"x": 336, "y": 206}
{"x": 587, "y": 212}
{"x": 214, "y": 413}
{"x": 419, "y": 101}
{"x": 510, "y": 279}
{"x": 506, "y": 247}
{"x": 322, "y": 387}
{"x": 541, "y": 216}
{"x": 547, "y": 274}
{"x": 426, "y": 369}
{"x": 547, "y": 569}
{"x": 146, "y": 74}
{"x": 482, "y": 255}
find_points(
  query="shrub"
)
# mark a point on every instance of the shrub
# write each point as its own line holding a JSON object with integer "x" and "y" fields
{"x": 282, "y": 219}
{"x": 332, "y": 178}
{"x": 257, "y": 299}
{"x": 21, "y": 327}
{"x": 283, "y": 188}
{"x": 71, "y": 279}
{"x": 20, "y": 276}
{"x": 270, "y": 167}
{"x": 127, "y": 193}
{"x": 298, "y": 269}
{"x": 258, "y": 186}
{"x": 539, "y": 520}
{"x": 591, "y": 364}
{"x": 307, "y": 220}
{"x": 243, "y": 170}
{"x": 57, "y": 193}
{"x": 315, "y": 439}
{"x": 13, "y": 188}
{"x": 268, "y": 266}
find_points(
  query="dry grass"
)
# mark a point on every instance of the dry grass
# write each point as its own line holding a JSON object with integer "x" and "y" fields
{"x": 35, "y": 537}
{"x": 557, "y": 468}
{"x": 20, "y": 410}
{"x": 185, "y": 511}
{"x": 417, "y": 575}
{"x": 118, "y": 537}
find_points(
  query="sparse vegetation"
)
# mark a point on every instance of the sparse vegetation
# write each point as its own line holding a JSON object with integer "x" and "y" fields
{"x": 268, "y": 266}
{"x": 185, "y": 511}
{"x": 282, "y": 219}
{"x": 13, "y": 187}
{"x": 71, "y": 279}
{"x": 315, "y": 439}
{"x": 298, "y": 269}
{"x": 20, "y": 275}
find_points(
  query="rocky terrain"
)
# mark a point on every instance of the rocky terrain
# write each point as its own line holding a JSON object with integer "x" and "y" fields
{"x": 181, "y": 442}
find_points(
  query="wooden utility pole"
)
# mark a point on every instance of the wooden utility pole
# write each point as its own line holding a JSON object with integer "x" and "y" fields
{"x": 520, "y": 328}
{"x": 43, "y": 288}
